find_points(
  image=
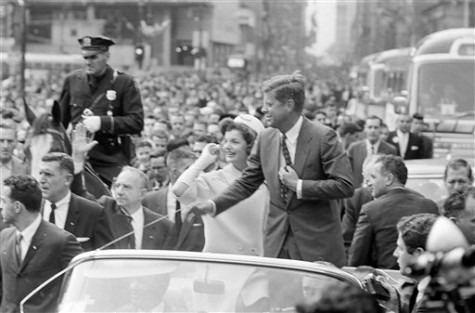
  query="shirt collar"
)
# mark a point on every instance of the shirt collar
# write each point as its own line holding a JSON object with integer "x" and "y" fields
{"x": 63, "y": 202}
{"x": 138, "y": 215}
{"x": 293, "y": 133}
{"x": 401, "y": 134}
{"x": 376, "y": 144}
{"x": 29, "y": 232}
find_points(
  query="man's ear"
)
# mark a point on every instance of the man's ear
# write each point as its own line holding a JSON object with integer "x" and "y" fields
{"x": 69, "y": 179}
{"x": 419, "y": 251}
{"x": 390, "y": 179}
{"x": 291, "y": 104}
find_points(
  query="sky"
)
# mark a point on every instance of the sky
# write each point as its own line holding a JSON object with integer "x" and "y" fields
{"x": 326, "y": 17}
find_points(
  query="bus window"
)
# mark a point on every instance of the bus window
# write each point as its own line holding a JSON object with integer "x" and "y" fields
{"x": 446, "y": 88}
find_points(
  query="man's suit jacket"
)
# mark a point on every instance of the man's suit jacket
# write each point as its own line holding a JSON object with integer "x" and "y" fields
{"x": 87, "y": 219}
{"x": 357, "y": 154}
{"x": 352, "y": 207}
{"x": 158, "y": 236}
{"x": 325, "y": 171}
{"x": 415, "y": 146}
{"x": 190, "y": 237}
{"x": 428, "y": 145}
{"x": 50, "y": 251}
{"x": 376, "y": 235}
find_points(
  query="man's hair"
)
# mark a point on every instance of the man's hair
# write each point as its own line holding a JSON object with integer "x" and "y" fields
{"x": 414, "y": 230}
{"x": 418, "y": 116}
{"x": 164, "y": 121}
{"x": 321, "y": 112}
{"x": 144, "y": 144}
{"x": 65, "y": 161}
{"x": 160, "y": 134}
{"x": 342, "y": 297}
{"x": 454, "y": 205}
{"x": 287, "y": 87}
{"x": 207, "y": 139}
{"x": 177, "y": 155}
{"x": 143, "y": 177}
{"x": 25, "y": 189}
{"x": 392, "y": 164}
{"x": 348, "y": 128}
{"x": 457, "y": 164}
{"x": 177, "y": 143}
{"x": 374, "y": 117}
{"x": 11, "y": 126}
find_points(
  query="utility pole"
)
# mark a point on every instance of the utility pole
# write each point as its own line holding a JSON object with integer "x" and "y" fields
{"x": 22, "y": 6}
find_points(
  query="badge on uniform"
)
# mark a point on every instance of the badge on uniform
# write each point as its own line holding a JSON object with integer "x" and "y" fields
{"x": 111, "y": 95}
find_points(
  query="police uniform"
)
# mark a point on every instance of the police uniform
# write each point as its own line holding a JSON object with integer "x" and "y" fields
{"x": 113, "y": 97}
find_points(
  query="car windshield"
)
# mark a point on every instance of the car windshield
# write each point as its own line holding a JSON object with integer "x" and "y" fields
{"x": 446, "y": 89}
{"x": 143, "y": 285}
{"x": 431, "y": 188}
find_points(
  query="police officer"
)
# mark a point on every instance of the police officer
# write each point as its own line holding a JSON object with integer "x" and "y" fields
{"x": 108, "y": 103}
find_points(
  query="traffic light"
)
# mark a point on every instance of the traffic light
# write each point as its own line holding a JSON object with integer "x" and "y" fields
{"x": 139, "y": 55}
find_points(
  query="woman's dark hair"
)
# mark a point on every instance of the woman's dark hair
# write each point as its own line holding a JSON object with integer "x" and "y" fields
{"x": 248, "y": 134}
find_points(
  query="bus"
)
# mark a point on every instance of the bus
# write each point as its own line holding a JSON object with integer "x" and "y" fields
{"x": 382, "y": 76}
{"x": 441, "y": 86}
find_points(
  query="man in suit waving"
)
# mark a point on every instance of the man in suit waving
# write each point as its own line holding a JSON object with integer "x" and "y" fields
{"x": 360, "y": 150}
{"x": 83, "y": 218}
{"x": 306, "y": 171}
{"x": 32, "y": 251}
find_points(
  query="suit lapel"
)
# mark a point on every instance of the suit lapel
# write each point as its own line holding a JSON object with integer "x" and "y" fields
{"x": 35, "y": 244}
{"x": 148, "y": 235}
{"x": 73, "y": 215}
{"x": 270, "y": 164}
{"x": 303, "y": 148}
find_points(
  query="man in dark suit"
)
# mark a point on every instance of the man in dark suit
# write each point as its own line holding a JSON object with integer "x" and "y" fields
{"x": 427, "y": 142}
{"x": 32, "y": 250}
{"x": 107, "y": 102}
{"x": 126, "y": 214}
{"x": 306, "y": 171}
{"x": 375, "y": 237}
{"x": 83, "y": 218}
{"x": 188, "y": 232}
{"x": 409, "y": 145}
{"x": 360, "y": 150}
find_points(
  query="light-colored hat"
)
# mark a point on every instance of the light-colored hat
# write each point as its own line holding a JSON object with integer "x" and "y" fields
{"x": 250, "y": 121}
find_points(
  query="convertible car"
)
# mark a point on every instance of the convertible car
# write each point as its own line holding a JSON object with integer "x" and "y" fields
{"x": 174, "y": 281}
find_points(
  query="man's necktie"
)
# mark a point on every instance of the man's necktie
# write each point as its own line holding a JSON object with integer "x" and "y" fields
{"x": 51, "y": 215}
{"x": 18, "y": 238}
{"x": 178, "y": 221}
{"x": 288, "y": 161}
{"x": 372, "y": 149}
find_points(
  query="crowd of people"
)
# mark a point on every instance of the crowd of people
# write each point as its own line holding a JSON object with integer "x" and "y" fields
{"x": 256, "y": 167}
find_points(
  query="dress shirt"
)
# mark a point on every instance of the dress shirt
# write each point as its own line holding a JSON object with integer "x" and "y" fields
{"x": 137, "y": 222}
{"x": 291, "y": 141}
{"x": 27, "y": 236}
{"x": 61, "y": 211}
{"x": 403, "y": 141}
{"x": 368, "y": 147}
{"x": 171, "y": 203}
